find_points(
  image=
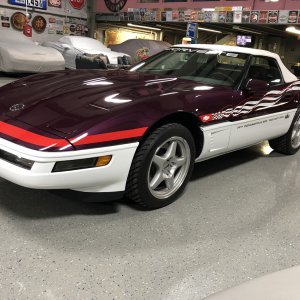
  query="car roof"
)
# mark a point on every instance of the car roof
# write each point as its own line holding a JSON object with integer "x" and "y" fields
{"x": 230, "y": 48}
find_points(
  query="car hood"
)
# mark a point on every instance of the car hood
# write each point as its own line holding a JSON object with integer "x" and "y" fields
{"x": 69, "y": 102}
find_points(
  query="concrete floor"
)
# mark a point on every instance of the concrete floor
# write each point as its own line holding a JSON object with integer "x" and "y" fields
{"x": 239, "y": 218}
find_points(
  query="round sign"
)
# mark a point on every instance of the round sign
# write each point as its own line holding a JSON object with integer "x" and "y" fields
{"x": 77, "y": 4}
{"x": 18, "y": 20}
{"x": 39, "y": 24}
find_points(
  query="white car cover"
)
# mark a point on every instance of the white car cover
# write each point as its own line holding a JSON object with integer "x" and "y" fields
{"x": 71, "y": 46}
{"x": 19, "y": 54}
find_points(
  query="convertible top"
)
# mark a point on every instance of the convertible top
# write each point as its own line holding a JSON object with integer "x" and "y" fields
{"x": 286, "y": 73}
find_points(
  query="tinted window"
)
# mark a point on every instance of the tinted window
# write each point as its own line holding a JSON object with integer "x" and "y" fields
{"x": 265, "y": 69}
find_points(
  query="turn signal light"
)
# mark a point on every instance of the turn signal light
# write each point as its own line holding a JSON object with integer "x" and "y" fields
{"x": 79, "y": 164}
{"x": 103, "y": 160}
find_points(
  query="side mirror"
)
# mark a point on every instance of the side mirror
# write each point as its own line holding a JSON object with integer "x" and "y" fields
{"x": 255, "y": 85}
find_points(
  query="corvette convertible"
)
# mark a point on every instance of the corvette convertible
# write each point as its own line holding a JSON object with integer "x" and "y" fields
{"x": 138, "y": 132}
{"x": 19, "y": 54}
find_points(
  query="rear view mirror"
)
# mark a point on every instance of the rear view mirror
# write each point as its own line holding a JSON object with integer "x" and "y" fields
{"x": 255, "y": 85}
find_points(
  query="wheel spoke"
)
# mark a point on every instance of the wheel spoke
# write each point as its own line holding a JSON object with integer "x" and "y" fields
{"x": 296, "y": 140}
{"x": 294, "y": 133}
{"x": 171, "y": 151}
{"x": 156, "y": 180}
{"x": 169, "y": 182}
{"x": 159, "y": 161}
{"x": 180, "y": 161}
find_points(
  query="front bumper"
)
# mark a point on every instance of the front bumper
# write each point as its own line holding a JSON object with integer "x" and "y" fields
{"x": 110, "y": 178}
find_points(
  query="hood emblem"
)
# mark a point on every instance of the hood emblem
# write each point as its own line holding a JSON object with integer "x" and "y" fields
{"x": 17, "y": 107}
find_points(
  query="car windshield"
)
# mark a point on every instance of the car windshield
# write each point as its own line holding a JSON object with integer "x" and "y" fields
{"x": 201, "y": 65}
{"x": 87, "y": 44}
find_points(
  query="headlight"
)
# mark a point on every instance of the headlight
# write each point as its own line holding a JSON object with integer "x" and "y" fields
{"x": 78, "y": 164}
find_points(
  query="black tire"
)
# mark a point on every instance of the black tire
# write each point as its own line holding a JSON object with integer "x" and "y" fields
{"x": 137, "y": 187}
{"x": 284, "y": 144}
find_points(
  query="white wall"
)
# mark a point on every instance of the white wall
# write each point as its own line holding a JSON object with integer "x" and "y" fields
{"x": 64, "y": 16}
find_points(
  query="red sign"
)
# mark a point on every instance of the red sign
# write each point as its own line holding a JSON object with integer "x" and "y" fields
{"x": 77, "y": 4}
{"x": 27, "y": 30}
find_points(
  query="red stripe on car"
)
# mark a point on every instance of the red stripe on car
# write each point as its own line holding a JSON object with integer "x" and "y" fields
{"x": 111, "y": 136}
{"x": 40, "y": 140}
{"x": 30, "y": 137}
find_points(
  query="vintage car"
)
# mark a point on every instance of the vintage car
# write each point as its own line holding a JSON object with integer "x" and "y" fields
{"x": 72, "y": 47}
{"x": 19, "y": 54}
{"x": 140, "y": 131}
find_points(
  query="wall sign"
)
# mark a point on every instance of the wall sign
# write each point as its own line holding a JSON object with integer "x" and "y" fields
{"x": 192, "y": 32}
{"x": 18, "y": 20}
{"x": 77, "y": 4}
{"x": 6, "y": 25}
{"x": 115, "y": 5}
{"x": 39, "y": 24}
{"x": 54, "y": 3}
{"x": 40, "y": 4}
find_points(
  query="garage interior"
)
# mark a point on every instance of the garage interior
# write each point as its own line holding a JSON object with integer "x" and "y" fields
{"x": 237, "y": 220}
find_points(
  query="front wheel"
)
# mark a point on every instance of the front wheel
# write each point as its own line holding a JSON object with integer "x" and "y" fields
{"x": 290, "y": 142}
{"x": 161, "y": 167}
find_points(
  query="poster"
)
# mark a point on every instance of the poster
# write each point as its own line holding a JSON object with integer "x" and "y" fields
{"x": 283, "y": 16}
{"x": 254, "y": 16}
{"x": 293, "y": 16}
{"x": 273, "y": 17}
{"x": 237, "y": 17}
{"x": 229, "y": 17}
{"x": 246, "y": 17}
{"x": 263, "y": 16}
{"x": 222, "y": 16}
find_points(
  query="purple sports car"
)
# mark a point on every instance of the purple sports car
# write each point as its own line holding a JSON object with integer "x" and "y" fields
{"x": 140, "y": 131}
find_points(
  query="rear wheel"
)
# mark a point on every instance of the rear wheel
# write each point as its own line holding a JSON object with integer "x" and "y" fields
{"x": 290, "y": 142}
{"x": 161, "y": 167}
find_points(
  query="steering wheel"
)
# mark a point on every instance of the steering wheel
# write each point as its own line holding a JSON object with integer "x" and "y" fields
{"x": 221, "y": 76}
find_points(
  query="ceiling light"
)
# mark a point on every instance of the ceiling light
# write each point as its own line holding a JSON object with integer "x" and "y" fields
{"x": 293, "y": 29}
{"x": 245, "y": 29}
{"x": 144, "y": 27}
{"x": 210, "y": 30}
{"x": 171, "y": 28}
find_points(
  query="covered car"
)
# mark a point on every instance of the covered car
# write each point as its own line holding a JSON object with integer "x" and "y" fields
{"x": 139, "y": 132}
{"x": 73, "y": 46}
{"x": 19, "y": 54}
{"x": 140, "y": 49}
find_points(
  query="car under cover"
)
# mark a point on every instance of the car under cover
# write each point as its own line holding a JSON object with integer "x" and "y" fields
{"x": 19, "y": 54}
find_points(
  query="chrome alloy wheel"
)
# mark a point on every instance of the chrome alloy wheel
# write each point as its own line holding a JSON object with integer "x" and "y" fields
{"x": 296, "y": 134}
{"x": 169, "y": 167}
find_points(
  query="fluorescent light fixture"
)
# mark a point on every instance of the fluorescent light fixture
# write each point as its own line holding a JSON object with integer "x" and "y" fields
{"x": 293, "y": 29}
{"x": 171, "y": 28}
{"x": 210, "y": 30}
{"x": 143, "y": 27}
{"x": 245, "y": 29}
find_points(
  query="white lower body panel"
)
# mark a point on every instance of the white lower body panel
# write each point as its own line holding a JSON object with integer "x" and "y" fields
{"x": 230, "y": 136}
{"x": 110, "y": 178}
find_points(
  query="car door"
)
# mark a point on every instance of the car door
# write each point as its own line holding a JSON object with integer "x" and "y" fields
{"x": 267, "y": 105}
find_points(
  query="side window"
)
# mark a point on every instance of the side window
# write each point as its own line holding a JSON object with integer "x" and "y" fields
{"x": 265, "y": 69}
